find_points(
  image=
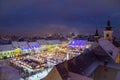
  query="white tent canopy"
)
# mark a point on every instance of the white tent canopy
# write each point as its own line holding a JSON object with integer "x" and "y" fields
{"x": 6, "y": 47}
{"x": 33, "y": 44}
{"x": 19, "y": 44}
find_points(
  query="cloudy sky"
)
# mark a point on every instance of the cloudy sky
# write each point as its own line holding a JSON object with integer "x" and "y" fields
{"x": 52, "y": 16}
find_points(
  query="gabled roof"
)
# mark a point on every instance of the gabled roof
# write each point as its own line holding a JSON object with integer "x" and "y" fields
{"x": 33, "y": 44}
{"x": 59, "y": 72}
{"x": 6, "y": 47}
{"x": 101, "y": 55}
{"x": 80, "y": 63}
{"x": 19, "y": 44}
{"x": 24, "y": 43}
{"x": 62, "y": 70}
{"x": 109, "y": 48}
{"x": 51, "y": 42}
{"x": 15, "y": 44}
{"x": 99, "y": 51}
{"x": 53, "y": 75}
{"x": 42, "y": 42}
{"x": 74, "y": 76}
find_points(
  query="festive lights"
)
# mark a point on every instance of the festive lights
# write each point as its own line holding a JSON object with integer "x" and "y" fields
{"x": 77, "y": 43}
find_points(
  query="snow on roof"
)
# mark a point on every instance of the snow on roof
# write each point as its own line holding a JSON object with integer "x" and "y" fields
{"x": 33, "y": 44}
{"x": 53, "y": 42}
{"x": 6, "y": 47}
{"x": 15, "y": 44}
{"x": 74, "y": 76}
{"x": 21, "y": 45}
{"x": 42, "y": 42}
{"x": 109, "y": 48}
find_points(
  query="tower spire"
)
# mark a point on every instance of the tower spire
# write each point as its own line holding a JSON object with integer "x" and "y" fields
{"x": 96, "y": 33}
{"x": 108, "y": 27}
{"x": 96, "y": 36}
{"x": 108, "y": 22}
{"x": 108, "y": 33}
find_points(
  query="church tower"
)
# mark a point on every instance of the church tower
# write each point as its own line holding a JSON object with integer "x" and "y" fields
{"x": 108, "y": 33}
{"x": 96, "y": 36}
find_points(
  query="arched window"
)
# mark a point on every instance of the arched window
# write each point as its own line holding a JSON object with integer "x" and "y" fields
{"x": 107, "y": 35}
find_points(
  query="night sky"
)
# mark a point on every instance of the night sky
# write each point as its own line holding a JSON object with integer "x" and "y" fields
{"x": 30, "y": 17}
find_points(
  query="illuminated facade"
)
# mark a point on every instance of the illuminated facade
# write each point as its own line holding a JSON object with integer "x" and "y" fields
{"x": 118, "y": 58}
{"x": 22, "y": 48}
{"x": 108, "y": 33}
{"x": 7, "y": 51}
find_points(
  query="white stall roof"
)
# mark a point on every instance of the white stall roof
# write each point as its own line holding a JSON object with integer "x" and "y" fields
{"x": 6, "y": 47}
{"x": 19, "y": 44}
{"x": 53, "y": 42}
{"x": 34, "y": 44}
{"x": 42, "y": 42}
{"x": 15, "y": 44}
{"x": 109, "y": 48}
{"x": 23, "y": 43}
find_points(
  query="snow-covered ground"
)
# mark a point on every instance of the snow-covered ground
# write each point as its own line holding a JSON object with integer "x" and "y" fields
{"x": 38, "y": 76}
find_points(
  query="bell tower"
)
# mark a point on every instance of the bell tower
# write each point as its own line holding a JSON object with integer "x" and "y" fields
{"x": 96, "y": 36}
{"x": 108, "y": 33}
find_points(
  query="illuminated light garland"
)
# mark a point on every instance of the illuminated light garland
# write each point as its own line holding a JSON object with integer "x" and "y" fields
{"x": 77, "y": 43}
